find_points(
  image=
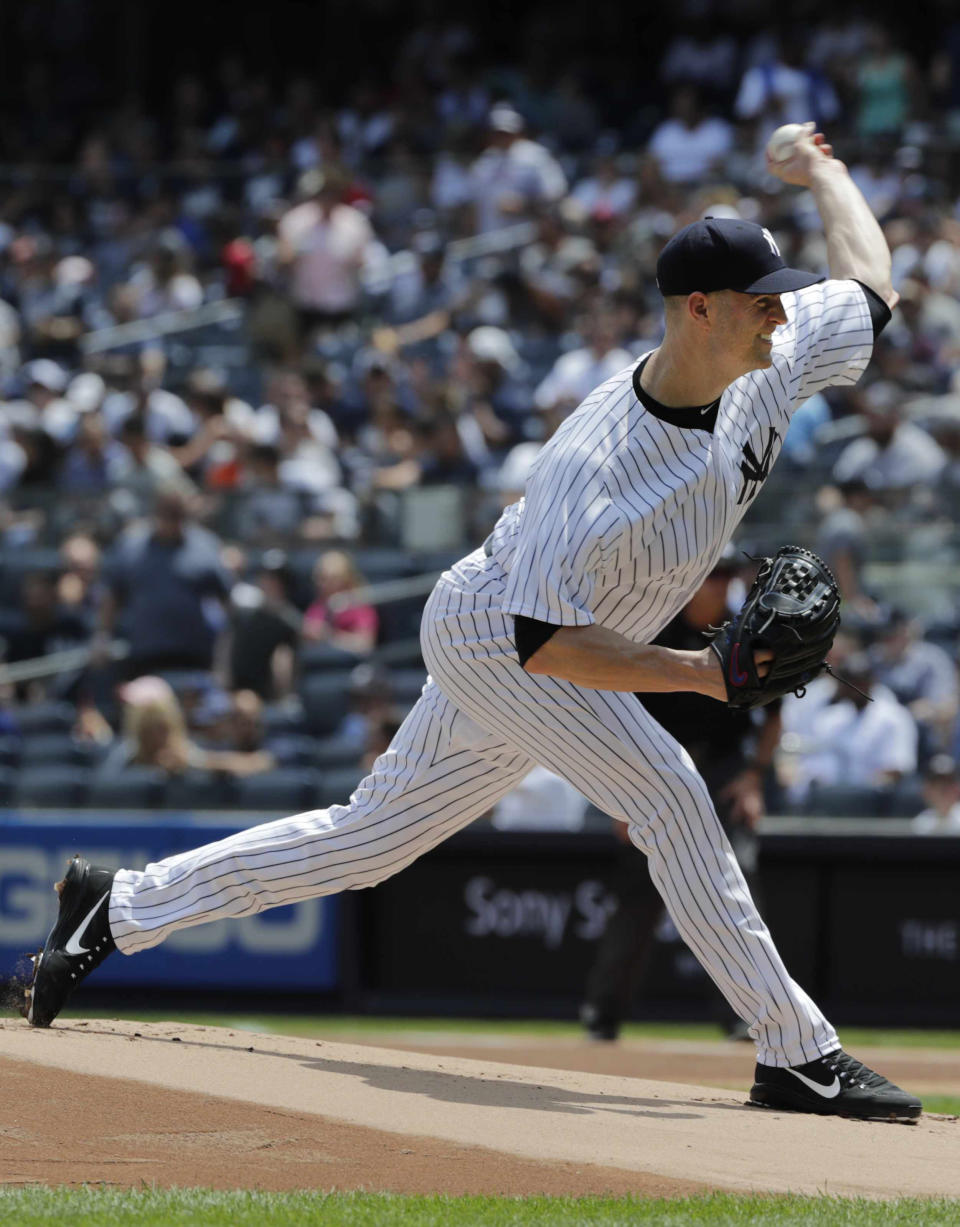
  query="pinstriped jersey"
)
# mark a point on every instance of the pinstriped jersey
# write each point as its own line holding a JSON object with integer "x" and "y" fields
{"x": 625, "y": 513}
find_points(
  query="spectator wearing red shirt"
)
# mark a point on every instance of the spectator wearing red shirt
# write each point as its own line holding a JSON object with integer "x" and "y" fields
{"x": 353, "y": 629}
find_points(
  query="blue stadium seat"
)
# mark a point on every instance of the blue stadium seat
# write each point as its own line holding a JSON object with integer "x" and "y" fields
{"x": 11, "y": 750}
{"x": 133, "y": 787}
{"x": 378, "y": 565}
{"x": 325, "y": 699}
{"x": 314, "y": 656}
{"x": 846, "y": 801}
{"x": 187, "y": 681}
{"x": 288, "y": 790}
{"x": 8, "y": 776}
{"x": 337, "y": 785}
{"x": 283, "y": 719}
{"x": 15, "y": 564}
{"x": 400, "y": 620}
{"x": 48, "y": 716}
{"x": 41, "y": 748}
{"x": 293, "y": 749}
{"x": 53, "y": 785}
{"x": 332, "y": 752}
{"x": 407, "y": 685}
{"x": 906, "y": 800}
{"x": 197, "y": 789}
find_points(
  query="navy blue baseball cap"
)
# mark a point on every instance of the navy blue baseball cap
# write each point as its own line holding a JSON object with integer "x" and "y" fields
{"x": 720, "y": 253}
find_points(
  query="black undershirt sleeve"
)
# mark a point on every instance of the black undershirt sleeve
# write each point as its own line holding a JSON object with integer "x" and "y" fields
{"x": 529, "y": 635}
{"x": 880, "y": 313}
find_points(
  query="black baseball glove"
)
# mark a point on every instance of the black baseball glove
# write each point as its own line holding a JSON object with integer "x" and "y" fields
{"x": 793, "y": 609}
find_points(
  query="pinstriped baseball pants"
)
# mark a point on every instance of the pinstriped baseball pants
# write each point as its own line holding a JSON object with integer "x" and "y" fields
{"x": 479, "y": 726}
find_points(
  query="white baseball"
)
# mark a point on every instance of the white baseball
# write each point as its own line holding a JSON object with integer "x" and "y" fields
{"x": 781, "y": 143}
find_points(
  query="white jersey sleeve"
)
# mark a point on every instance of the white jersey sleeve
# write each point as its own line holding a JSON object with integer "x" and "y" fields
{"x": 827, "y": 342}
{"x": 567, "y": 532}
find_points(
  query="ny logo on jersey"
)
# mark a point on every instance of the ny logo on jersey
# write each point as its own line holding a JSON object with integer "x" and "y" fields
{"x": 754, "y": 468}
{"x": 772, "y": 241}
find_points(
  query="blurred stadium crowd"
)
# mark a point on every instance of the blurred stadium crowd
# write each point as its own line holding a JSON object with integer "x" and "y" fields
{"x": 270, "y": 349}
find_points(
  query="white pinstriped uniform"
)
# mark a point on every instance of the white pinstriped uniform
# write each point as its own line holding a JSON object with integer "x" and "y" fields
{"x": 625, "y": 514}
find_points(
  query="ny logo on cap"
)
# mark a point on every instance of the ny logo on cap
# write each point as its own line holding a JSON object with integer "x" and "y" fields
{"x": 772, "y": 241}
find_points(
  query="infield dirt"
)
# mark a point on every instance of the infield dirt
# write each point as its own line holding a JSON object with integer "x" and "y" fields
{"x": 123, "y": 1102}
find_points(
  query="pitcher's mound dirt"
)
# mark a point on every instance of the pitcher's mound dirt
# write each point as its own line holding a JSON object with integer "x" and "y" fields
{"x": 125, "y": 1102}
{"x": 64, "y": 1128}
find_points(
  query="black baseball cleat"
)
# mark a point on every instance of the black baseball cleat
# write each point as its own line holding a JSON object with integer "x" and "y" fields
{"x": 834, "y": 1085}
{"x": 78, "y": 942}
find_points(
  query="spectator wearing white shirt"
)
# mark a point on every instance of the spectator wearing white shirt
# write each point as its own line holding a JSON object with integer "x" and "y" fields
{"x": 514, "y": 175}
{"x": 891, "y": 455}
{"x": 941, "y": 791}
{"x": 922, "y": 676}
{"x": 782, "y": 90}
{"x": 324, "y": 243}
{"x": 859, "y": 740}
{"x": 690, "y": 146}
{"x": 541, "y": 801}
{"x": 574, "y": 375}
{"x": 606, "y": 192}
{"x": 701, "y": 56}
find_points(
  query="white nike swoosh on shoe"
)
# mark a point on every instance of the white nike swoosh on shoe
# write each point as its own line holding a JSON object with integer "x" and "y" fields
{"x": 73, "y": 941}
{"x": 827, "y": 1092}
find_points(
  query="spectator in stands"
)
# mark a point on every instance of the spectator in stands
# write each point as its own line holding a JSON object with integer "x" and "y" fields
{"x": 153, "y": 730}
{"x": 702, "y": 56}
{"x": 166, "y": 281}
{"x": 941, "y": 791}
{"x": 340, "y": 622}
{"x": 80, "y": 586}
{"x": 264, "y": 631}
{"x": 154, "y": 734}
{"x": 380, "y": 734}
{"x": 690, "y": 146}
{"x": 238, "y": 737}
{"x": 488, "y": 394}
{"x": 270, "y": 512}
{"x": 863, "y": 739}
{"x": 42, "y": 626}
{"x": 304, "y": 435}
{"x": 541, "y": 801}
{"x": 166, "y": 582}
{"x": 843, "y": 540}
{"x": 893, "y": 455}
{"x": 370, "y": 705}
{"x": 441, "y": 456}
{"x": 45, "y": 382}
{"x": 575, "y": 374}
{"x": 605, "y": 192}
{"x": 428, "y": 287}
{"x": 514, "y": 175}
{"x": 781, "y": 89}
{"x": 923, "y": 678}
{"x": 133, "y": 387}
{"x": 94, "y": 462}
{"x": 324, "y": 244}
{"x": 151, "y": 466}
{"x": 554, "y": 270}
{"x": 886, "y": 83}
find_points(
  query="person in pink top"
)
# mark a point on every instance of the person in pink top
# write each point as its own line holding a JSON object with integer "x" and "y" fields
{"x": 354, "y": 629}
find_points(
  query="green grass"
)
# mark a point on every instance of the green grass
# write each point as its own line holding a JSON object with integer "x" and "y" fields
{"x": 946, "y": 1105}
{"x": 92, "y": 1207}
{"x": 343, "y": 1025}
